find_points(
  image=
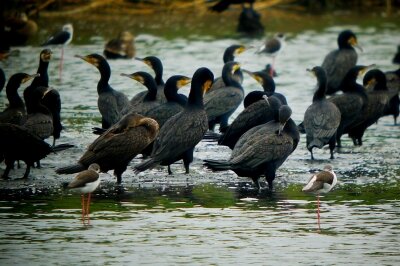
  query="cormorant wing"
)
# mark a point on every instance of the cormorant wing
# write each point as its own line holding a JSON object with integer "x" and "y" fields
{"x": 221, "y": 101}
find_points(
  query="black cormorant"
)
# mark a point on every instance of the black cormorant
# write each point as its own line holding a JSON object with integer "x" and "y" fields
{"x": 260, "y": 112}
{"x": 322, "y": 118}
{"x": 154, "y": 63}
{"x": 16, "y": 143}
{"x": 121, "y": 47}
{"x": 51, "y": 99}
{"x": 338, "y": 62}
{"x": 111, "y": 103}
{"x": 39, "y": 120}
{"x": 116, "y": 147}
{"x": 262, "y": 149}
{"x": 15, "y": 112}
{"x": 229, "y": 55}
{"x": 175, "y": 102}
{"x": 221, "y": 103}
{"x": 268, "y": 84}
{"x": 351, "y": 103}
{"x": 378, "y": 102}
{"x": 182, "y": 132}
{"x": 149, "y": 100}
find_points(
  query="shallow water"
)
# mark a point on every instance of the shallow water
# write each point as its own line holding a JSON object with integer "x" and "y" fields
{"x": 206, "y": 218}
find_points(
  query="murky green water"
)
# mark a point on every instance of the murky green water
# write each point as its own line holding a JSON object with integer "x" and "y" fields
{"x": 206, "y": 218}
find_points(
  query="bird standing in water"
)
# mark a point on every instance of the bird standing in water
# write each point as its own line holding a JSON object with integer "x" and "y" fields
{"x": 272, "y": 47}
{"x": 86, "y": 182}
{"x": 111, "y": 103}
{"x": 183, "y": 131}
{"x": 63, "y": 38}
{"x": 322, "y": 182}
{"x": 322, "y": 118}
{"x": 338, "y": 62}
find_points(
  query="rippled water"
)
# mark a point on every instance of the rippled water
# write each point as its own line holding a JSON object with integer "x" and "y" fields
{"x": 206, "y": 218}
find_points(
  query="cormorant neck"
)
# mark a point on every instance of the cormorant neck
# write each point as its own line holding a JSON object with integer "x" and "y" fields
{"x": 321, "y": 89}
{"x": 105, "y": 74}
{"x": 158, "y": 77}
{"x": 152, "y": 90}
{"x": 43, "y": 79}
{"x": 228, "y": 79}
{"x": 13, "y": 97}
{"x": 228, "y": 56}
{"x": 196, "y": 96}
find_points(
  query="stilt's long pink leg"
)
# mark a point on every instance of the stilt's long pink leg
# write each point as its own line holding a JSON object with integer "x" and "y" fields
{"x": 88, "y": 208}
{"x": 83, "y": 208}
{"x": 318, "y": 214}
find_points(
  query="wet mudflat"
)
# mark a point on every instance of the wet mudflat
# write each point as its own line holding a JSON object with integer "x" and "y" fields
{"x": 204, "y": 217}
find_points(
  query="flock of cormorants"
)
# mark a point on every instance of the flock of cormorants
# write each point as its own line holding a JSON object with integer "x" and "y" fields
{"x": 166, "y": 126}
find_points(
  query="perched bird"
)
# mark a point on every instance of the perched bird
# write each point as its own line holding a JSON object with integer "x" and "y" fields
{"x": 183, "y": 131}
{"x": 262, "y": 149}
{"x": 86, "y": 182}
{"x": 2, "y": 79}
{"x": 121, "y": 47}
{"x": 51, "y": 99}
{"x": 379, "y": 99}
{"x": 15, "y": 113}
{"x": 338, "y": 62}
{"x": 223, "y": 5}
{"x": 322, "y": 118}
{"x": 16, "y": 143}
{"x": 351, "y": 103}
{"x": 220, "y": 104}
{"x": 40, "y": 120}
{"x": 63, "y": 38}
{"x": 260, "y": 112}
{"x": 229, "y": 56}
{"x": 175, "y": 102}
{"x": 149, "y": 101}
{"x": 321, "y": 182}
{"x": 116, "y": 147}
{"x": 396, "y": 58}
{"x": 268, "y": 84}
{"x": 111, "y": 103}
{"x": 272, "y": 47}
{"x": 154, "y": 63}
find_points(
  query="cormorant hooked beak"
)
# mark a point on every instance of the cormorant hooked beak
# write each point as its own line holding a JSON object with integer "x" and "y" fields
{"x": 265, "y": 97}
{"x": 29, "y": 77}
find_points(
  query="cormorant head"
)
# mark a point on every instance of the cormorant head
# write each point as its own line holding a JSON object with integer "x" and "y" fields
{"x": 45, "y": 55}
{"x": 21, "y": 78}
{"x": 231, "y": 67}
{"x": 140, "y": 76}
{"x": 264, "y": 79}
{"x": 318, "y": 72}
{"x": 93, "y": 59}
{"x": 204, "y": 77}
{"x": 375, "y": 79}
{"x": 232, "y": 51}
{"x": 177, "y": 81}
{"x": 152, "y": 61}
{"x": 348, "y": 39}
